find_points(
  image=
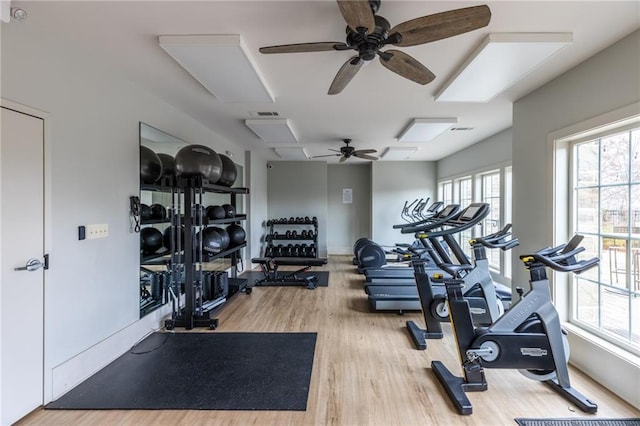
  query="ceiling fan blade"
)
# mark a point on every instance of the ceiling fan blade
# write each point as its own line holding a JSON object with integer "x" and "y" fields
{"x": 335, "y": 150}
{"x": 441, "y": 25}
{"x": 365, "y": 156}
{"x": 345, "y": 74}
{"x": 305, "y": 47}
{"x": 364, "y": 151}
{"x": 343, "y": 159}
{"x": 406, "y": 66}
{"x": 357, "y": 14}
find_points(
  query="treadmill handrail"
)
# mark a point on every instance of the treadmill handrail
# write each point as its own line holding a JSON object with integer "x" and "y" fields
{"x": 434, "y": 221}
{"x": 457, "y": 224}
{"x": 432, "y": 211}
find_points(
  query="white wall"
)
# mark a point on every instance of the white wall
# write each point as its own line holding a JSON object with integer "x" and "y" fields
{"x": 489, "y": 152}
{"x": 394, "y": 182}
{"x": 348, "y": 222}
{"x": 606, "y": 82}
{"x": 92, "y": 294}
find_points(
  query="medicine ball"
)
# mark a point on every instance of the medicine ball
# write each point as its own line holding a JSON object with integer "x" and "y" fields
{"x": 168, "y": 164}
{"x": 216, "y": 212}
{"x": 150, "y": 240}
{"x": 229, "y": 171}
{"x": 237, "y": 235}
{"x": 150, "y": 166}
{"x": 229, "y": 210}
{"x": 198, "y": 160}
{"x": 214, "y": 239}
{"x": 145, "y": 212}
{"x": 158, "y": 211}
{"x": 166, "y": 237}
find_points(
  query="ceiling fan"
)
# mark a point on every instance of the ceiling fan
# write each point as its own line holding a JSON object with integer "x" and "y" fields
{"x": 348, "y": 151}
{"x": 367, "y": 33}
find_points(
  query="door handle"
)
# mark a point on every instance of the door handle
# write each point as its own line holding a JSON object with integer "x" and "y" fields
{"x": 34, "y": 264}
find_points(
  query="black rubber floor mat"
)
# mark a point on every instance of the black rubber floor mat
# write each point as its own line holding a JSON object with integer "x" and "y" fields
{"x": 202, "y": 371}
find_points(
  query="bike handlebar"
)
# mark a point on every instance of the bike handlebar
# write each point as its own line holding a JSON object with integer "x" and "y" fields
{"x": 562, "y": 258}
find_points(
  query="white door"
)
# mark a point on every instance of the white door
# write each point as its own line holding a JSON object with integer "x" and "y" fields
{"x": 21, "y": 291}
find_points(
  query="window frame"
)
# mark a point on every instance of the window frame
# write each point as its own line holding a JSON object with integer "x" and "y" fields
{"x": 571, "y": 146}
{"x": 502, "y": 273}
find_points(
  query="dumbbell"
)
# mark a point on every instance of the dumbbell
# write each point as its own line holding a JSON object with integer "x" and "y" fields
{"x": 294, "y": 234}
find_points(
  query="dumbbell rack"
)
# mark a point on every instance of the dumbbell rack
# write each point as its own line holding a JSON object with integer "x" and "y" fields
{"x": 295, "y": 237}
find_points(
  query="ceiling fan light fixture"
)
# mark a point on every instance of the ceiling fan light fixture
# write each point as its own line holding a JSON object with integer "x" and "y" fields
{"x": 398, "y": 153}
{"x": 425, "y": 129}
{"x": 498, "y": 63}
{"x": 221, "y": 63}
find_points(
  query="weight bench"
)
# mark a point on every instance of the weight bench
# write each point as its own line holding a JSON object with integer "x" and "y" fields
{"x": 269, "y": 267}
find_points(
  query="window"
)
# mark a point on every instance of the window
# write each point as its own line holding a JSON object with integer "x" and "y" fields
{"x": 489, "y": 186}
{"x": 464, "y": 197}
{"x": 445, "y": 192}
{"x": 605, "y": 187}
{"x": 490, "y": 190}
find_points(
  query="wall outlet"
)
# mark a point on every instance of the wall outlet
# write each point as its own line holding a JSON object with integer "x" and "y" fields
{"x": 97, "y": 231}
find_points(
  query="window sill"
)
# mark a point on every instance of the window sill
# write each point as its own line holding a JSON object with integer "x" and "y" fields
{"x": 603, "y": 344}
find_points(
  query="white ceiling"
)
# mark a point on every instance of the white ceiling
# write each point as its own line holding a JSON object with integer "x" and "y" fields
{"x": 372, "y": 110}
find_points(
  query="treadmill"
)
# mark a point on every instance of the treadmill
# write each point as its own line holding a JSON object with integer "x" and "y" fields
{"x": 398, "y": 291}
{"x": 405, "y": 272}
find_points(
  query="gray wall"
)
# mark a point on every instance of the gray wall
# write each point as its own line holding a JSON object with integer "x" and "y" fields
{"x": 348, "y": 222}
{"x": 492, "y": 151}
{"x": 606, "y": 82}
{"x": 394, "y": 182}
{"x": 91, "y": 291}
{"x": 256, "y": 167}
{"x": 299, "y": 188}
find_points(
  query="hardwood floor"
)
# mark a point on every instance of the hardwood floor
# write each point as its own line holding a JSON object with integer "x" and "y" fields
{"x": 366, "y": 371}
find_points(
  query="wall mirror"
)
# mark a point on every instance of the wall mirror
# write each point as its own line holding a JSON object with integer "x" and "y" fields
{"x": 160, "y": 277}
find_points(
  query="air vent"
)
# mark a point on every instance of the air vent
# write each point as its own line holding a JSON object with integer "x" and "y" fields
{"x": 265, "y": 114}
{"x": 461, "y": 129}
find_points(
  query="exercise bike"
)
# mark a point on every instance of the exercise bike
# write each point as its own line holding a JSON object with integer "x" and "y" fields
{"x": 528, "y": 337}
{"x": 487, "y": 300}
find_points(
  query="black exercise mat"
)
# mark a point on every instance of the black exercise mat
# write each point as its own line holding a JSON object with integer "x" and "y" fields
{"x": 578, "y": 422}
{"x": 252, "y": 276}
{"x": 202, "y": 371}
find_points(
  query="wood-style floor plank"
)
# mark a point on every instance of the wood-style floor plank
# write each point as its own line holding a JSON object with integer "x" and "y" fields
{"x": 365, "y": 372}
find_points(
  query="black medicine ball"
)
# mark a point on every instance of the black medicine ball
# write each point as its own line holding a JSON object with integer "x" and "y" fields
{"x": 150, "y": 240}
{"x": 229, "y": 171}
{"x": 168, "y": 164}
{"x": 216, "y": 212}
{"x": 158, "y": 212}
{"x": 150, "y": 166}
{"x": 214, "y": 239}
{"x": 237, "y": 235}
{"x": 229, "y": 210}
{"x": 167, "y": 236}
{"x": 199, "y": 160}
{"x": 145, "y": 212}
